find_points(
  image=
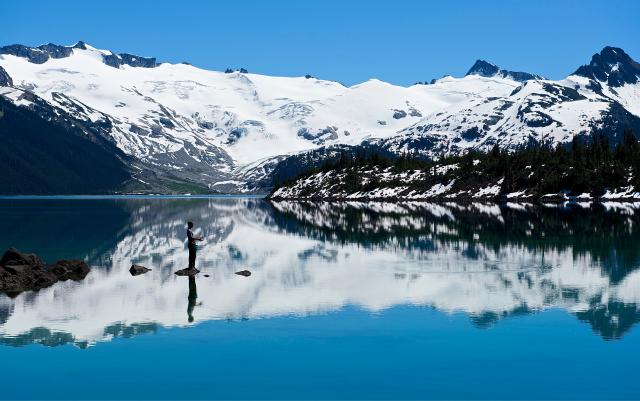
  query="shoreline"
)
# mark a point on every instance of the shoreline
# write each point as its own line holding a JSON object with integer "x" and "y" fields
{"x": 132, "y": 196}
{"x": 336, "y": 199}
{"x": 465, "y": 200}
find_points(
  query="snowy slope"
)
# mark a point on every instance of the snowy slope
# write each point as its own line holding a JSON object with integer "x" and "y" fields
{"x": 534, "y": 112}
{"x": 601, "y": 96}
{"x": 251, "y": 116}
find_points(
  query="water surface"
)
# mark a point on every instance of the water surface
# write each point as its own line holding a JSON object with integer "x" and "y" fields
{"x": 346, "y": 300}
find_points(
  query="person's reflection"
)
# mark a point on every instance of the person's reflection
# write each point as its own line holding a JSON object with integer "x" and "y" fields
{"x": 193, "y": 296}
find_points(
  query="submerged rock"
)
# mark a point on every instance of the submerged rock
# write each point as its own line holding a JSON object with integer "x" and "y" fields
{"x": 245, "y": 273}
{"x": 137, "y": 270}
{"x": 21, "y": 272}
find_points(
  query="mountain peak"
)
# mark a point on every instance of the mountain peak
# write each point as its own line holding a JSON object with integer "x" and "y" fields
{"x": 483, "y": 68}
{"x": 80, "y": 45}
{"x": 614, "y": 54}
{"x": 613, "y": 66}
{"x": 486, "y": 69}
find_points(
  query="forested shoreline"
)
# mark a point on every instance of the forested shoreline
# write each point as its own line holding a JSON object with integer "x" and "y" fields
{"x": 587, "y": 168}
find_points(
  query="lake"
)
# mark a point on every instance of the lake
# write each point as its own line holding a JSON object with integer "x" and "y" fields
{"x": 346, "y": 300}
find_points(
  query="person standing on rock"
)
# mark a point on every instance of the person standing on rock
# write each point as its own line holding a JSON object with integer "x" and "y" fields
{"x": 192, "y": 245}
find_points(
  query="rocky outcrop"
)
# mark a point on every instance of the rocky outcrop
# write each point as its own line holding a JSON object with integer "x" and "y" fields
{"x": 37, "y": 55}
{"x": 488, "y": 70}
{"x": 42, "y": 54}
{"x": 5, "y": 79}
{"x": 483, "y": 68}
{"x": 117, "y": 60}
{"x": 34, "y": 55}
{"x": 613, "y": 66}
{"x": 56, "y": 51}
{"x": 21, "y": 272}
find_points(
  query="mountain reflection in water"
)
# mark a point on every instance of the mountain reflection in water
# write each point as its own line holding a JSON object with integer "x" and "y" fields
{"x": 488, "y": 261}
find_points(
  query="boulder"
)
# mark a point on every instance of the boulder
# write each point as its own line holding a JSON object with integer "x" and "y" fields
{"x": 27, "y": 272}
{"x": 70, "y": 269}
{"x": 14, "y": 257}
{"x": 245, "y": 273}
{"x": 137, "y": 270}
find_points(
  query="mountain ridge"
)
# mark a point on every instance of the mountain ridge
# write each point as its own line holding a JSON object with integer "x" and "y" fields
{"x": 228, "y": 131}
{"x": 41, "y": 54}
{"x": 486, "y": 69}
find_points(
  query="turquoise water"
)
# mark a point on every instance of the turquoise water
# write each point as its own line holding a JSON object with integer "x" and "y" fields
{"x": 346, "y": 301}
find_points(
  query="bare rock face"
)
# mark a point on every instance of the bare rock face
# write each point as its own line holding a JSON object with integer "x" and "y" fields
{"x": 5, "y": 79}
{"x": 21, "y": 272}
{"x": 137, "y": 270}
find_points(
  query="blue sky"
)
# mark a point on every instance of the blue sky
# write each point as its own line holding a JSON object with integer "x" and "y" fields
{"x": 347, "y": 41}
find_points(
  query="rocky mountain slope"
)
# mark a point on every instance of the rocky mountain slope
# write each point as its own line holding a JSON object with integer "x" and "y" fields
{"x": 46, "y": 151}
{"x": 227, "y": 131}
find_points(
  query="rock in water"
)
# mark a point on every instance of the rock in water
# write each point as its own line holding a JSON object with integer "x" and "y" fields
{"x": 245, "y": 273}
{"x": 187, "y": 272}
{"x": 137, "y": 270}
{"x": 69, "y": 269}
{"x": 13, "y": 257}
{"x": 27, "y": 272}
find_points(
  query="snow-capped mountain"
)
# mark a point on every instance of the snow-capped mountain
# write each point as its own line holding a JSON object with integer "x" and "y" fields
{"x": 603, "y": 96}
{"x": 226, "y": 131}
{"x": 613, "y": 74}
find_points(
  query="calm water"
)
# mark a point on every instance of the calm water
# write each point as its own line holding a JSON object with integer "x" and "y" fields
{"x": 346, "y": 300}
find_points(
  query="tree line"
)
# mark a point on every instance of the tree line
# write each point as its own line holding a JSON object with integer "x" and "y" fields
{"x": 588, "y": 164}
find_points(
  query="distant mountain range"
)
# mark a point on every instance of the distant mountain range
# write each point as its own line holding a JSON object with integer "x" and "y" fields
{"x": 77, "y": 119}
